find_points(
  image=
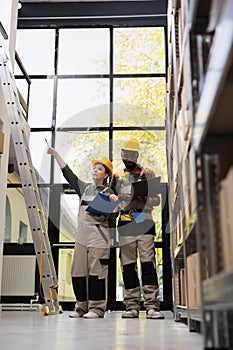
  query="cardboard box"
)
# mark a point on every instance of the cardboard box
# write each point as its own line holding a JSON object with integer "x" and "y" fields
{"x": 196, "y": 257}
{"x": 180, "y": 129}
{"x": 224, "y": 227}
{"x": 171, "y": 5}
{"x": 175, "y": 159}
{"x": 193, "y": 280}
{"x": 179, "y": 227}
{"x": 1, "y": 142}
{"x": 193, "y": 180}
{"x": 180, "y": 30}
{"x": 186, "y": 191}
{"x": 178, "y": 234}
{"x": 226, "y": 212}
{"x": 183, "y": 13}
{"x": 186, "y": 97}
{"x": 183, "y": 295}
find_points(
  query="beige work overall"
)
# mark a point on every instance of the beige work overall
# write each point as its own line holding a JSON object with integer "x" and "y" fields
{"x": 91, "y": 259}
{"x": 137, "y": 238}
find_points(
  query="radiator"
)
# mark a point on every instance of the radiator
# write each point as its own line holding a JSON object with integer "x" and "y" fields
{"x": 18, "y": 275}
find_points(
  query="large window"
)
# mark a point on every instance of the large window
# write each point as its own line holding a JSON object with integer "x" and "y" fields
{"x": 91, "y": 88}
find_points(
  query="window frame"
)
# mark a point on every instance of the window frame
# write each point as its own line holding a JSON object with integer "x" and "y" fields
{"x": 110, "y": 22}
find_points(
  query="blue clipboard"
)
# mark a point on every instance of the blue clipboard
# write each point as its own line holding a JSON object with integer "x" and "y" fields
{"x": 101, "y": 205}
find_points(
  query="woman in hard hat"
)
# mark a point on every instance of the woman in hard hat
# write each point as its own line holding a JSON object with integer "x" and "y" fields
{"x": 92, "y": 247}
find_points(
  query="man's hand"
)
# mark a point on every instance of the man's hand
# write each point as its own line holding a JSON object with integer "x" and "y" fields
{"x": 148, "y": 171}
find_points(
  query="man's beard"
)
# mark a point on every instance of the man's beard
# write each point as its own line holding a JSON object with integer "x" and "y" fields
{"x": 129, "y": 165}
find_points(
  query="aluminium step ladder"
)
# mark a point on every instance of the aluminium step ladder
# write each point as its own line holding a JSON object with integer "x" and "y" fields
{"x": 47, "y": 272}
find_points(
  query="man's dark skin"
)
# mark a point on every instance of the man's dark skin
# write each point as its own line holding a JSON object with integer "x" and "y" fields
{"x": 129, "y": 158}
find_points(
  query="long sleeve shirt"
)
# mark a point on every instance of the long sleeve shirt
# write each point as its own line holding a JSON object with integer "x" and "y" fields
{"x": 91, "y": 228}
{"x": 121, "y": 185}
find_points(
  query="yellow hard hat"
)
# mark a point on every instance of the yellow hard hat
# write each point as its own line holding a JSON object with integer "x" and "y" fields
{"x": 131, "y": 145}
{"x": 106, "y": 162}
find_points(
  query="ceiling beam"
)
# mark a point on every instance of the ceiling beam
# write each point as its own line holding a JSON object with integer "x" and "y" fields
{"x": 51, "y": 14}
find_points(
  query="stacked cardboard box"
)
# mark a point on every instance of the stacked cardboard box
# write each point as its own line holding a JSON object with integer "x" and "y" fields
{"x": 226, "y": 205}
{"x": 183, "y": 288}
{"x": 194, "y": 280}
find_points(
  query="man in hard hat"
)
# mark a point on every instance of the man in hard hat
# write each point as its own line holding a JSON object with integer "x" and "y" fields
{"x": 136, "y": 233}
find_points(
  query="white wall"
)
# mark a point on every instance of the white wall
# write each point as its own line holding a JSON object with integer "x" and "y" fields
{"x": 8, "y": 18}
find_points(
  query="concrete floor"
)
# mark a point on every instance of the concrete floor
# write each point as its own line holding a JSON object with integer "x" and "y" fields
{"x": 31, "y": 330}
